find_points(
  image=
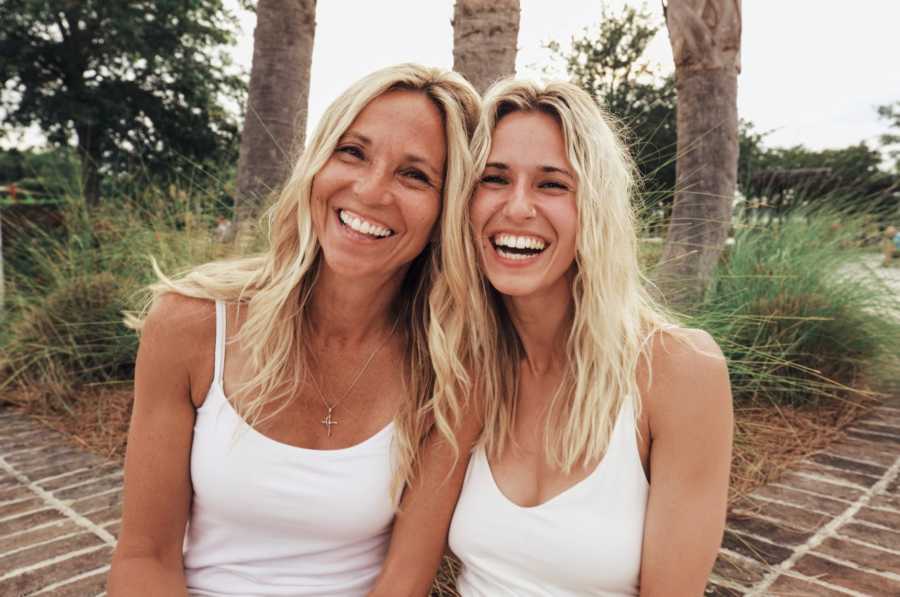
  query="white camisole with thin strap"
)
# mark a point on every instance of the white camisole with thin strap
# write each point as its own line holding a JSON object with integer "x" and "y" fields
{"x": 270, "y": 519}
{"x": 584, "y": 541}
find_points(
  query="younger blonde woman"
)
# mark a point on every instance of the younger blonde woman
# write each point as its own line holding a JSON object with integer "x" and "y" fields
{"x": 279, "y": 397}
{"x": 603, "y": 466}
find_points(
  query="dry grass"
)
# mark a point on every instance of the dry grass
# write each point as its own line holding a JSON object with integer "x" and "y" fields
{"x": 97, "y": 421}
{"x": 768, "y": 439}
{"x": 445, "y": 581}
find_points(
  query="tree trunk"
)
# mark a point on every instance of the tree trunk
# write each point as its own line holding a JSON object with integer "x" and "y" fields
{"x": 705, "y": 36}
{"x": 275, "y": 123}
{"x": 89, "y": 155}
{"x": 485, "y": 34}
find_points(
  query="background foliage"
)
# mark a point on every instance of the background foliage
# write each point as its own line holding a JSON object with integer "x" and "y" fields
{"x": 136, "y": 86}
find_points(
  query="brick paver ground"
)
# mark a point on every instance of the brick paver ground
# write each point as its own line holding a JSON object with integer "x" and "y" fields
{"x": 831, "y": 526}
{"x": 59, "y": 512}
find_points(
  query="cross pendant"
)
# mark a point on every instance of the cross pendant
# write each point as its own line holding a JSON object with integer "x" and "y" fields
{"x": 329, "y": 422}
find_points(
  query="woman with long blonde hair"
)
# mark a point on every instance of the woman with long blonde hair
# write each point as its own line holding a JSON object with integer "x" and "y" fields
{"x": 280, "y": 398}
{"x": 603, "y": 462}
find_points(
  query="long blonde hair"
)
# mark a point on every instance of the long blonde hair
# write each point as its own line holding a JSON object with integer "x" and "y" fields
{"x": 613, "y": 311}
{"x": 276, "y": 286}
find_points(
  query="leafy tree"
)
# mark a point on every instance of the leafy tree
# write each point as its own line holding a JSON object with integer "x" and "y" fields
{"x": 47, "y": 172}
{"x": 12, "y": 166}
{"x": 849, "y": 177}
{"x": 609, "y": 63}
{"x": 891, "y": 113}
{"x": 136, "y": 85}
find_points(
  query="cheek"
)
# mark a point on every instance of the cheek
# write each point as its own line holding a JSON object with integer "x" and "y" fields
{"x": 326, "y": 180}
{"x": 479, "y": 212}
{"x": 567, "y": 229}
{"x": 317, "y": 204}
{"x": 422, "y": 214}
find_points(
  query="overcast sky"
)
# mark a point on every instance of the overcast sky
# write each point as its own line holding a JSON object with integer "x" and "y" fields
{"x": 813, "y": 70}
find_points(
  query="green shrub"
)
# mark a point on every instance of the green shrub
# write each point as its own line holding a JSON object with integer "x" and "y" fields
{"x": 798, "y": 315}
{"x": 74, "y": 335}
{"x": 67, "y": 288}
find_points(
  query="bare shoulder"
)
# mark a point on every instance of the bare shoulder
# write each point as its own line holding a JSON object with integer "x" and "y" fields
{"x": 675, "y": 348}
{"x": 687, "y": 383}
{"x": 181, "y": 322}
{"x": 179, "y": 315}
{"x": 178, "y": 335}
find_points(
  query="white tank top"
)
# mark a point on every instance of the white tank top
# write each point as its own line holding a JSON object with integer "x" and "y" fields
{"x": 584, "y": 541}
{"x": 272, "y": 519}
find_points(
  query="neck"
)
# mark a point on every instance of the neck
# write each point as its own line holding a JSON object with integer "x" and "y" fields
{"x": 543, "y": 321}
{"x": 348, "y": 311}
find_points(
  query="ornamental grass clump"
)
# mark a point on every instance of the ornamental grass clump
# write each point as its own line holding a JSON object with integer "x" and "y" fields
{"x": 67, "y": 288}
{"x": 800, "y": 317}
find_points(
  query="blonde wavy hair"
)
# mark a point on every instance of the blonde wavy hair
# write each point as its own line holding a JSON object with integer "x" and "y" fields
{"x": 614, "y": 313}
{"x": 276, "y": 285}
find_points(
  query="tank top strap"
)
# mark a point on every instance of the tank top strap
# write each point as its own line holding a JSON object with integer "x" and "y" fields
{"x": 219, "y": 369}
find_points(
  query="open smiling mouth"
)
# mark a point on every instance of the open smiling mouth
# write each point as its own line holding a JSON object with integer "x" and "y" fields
{"x": 358, "y": 224}
{"x": 516, "y": 247}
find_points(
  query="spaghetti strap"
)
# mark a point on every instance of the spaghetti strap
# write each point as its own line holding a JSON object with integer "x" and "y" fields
{"x": 220, "y": 343}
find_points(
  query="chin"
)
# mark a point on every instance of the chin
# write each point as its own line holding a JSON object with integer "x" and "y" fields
{"x": 513, "y": 286}
{"x": 350, "y": 266}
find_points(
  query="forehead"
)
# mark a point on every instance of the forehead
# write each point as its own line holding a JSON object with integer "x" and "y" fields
{"x": 405, "y": 120}
{"x": 532, "y": 138}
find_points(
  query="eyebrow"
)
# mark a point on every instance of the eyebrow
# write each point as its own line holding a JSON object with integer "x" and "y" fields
{"x": 359, "y": 137}
{"x": 548, "y": 169}
{"x": 409, "y": 157}
{"x": 417, "y": 159}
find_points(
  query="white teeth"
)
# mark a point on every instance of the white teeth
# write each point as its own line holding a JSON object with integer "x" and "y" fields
{"x": 363, "y": 226}
{"x": 519, "y": 242}
{"x": 513, "y": 256}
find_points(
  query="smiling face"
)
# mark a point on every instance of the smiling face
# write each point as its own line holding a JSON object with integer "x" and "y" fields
{"x": 523, "y": 212}
{"x": 376, "y": 200}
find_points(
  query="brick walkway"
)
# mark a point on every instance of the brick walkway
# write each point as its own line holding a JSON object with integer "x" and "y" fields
{"x": 59, "y": 513}
{"x": 829, "y": 527}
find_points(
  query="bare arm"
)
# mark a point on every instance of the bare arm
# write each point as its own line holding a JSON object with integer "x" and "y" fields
{"x": 691, "y": 423}
{"x": 419, "y": 537}
{"x": 175, "y": 340}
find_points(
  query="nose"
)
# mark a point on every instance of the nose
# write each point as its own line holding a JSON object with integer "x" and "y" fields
{"x": 519, "y": 206}
{"x": 372, "y": 187}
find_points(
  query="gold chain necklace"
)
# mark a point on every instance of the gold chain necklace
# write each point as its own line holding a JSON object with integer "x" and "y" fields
{"x": 328, "y": 421}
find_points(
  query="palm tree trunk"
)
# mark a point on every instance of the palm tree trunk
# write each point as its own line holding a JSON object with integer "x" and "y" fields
{"x": 275, "y": 123}
{"x": 705, "y": 36}
{"x": 485, "y": 34}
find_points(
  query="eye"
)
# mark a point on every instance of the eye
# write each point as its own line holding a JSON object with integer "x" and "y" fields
{"x": 493, "y": 179}
{"x": 352, "y": 150}
{"x": 418, "y": 175}
{"x": 552, "y": 184}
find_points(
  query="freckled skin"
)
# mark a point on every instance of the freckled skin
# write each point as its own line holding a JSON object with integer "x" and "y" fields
{"x": 388, "y": 168}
